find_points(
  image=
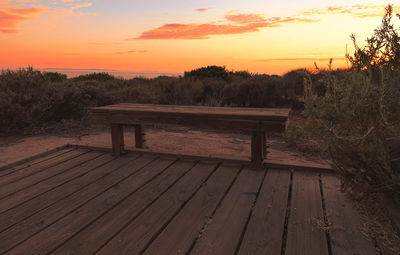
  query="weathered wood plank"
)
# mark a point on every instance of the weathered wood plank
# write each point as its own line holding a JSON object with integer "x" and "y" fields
{"x": 305, "y": 234}
{"x": 91, "y": 172}
{"x": 139, "y": 136}
{"x": 38, "y": 167}
{"x": 36, "y": 159}
{"x": 41, "y": 176}
{"x": 151, "y": 221}
{"x": 201, "y": 111}
{"x": 182, "y": 231}
{"x": 265, "y": 230}
{"x": 117, "y": 139}
{"x": 230, "y": 124}
{"x": 89, "y": 240}
{"x": 257, "y": 149}
{"x": 222, "y": 234}
{"x": 345, "y": 234}
{"x": 105, "y": 188}
{"x": 41, "y": 187}
{"x": 54, "y": 235}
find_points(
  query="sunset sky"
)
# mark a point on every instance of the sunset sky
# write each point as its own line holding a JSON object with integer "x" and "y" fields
{"x": 261, "y": 36}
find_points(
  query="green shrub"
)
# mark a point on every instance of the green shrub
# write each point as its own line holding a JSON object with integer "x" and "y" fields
{"x": 55, "y": 76}
{"x": 294, "y": 86}
{"x": 29, "y": 98}
{"x": 358, "y": 121}
{"x": 95, "y": 76}
{"x": 218, "y": 72}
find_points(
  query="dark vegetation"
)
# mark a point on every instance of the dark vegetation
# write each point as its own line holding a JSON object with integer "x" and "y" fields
{"x": 30, "y": 98}
{"x": 355, "y": 116}
{"x": 352, "y": 114}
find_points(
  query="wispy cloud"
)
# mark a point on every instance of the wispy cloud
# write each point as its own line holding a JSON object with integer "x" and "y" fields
{"x": 235, "y": 24}
{"x": 202, "y": 9}
{"x": 245, "y": 18}
{"x": 132, "y": 51}
{"x": 11, "y": 17}
{"x": 358, "y": 11}
{"x": 300, "y": 59}
{"x": 13, "y": 12}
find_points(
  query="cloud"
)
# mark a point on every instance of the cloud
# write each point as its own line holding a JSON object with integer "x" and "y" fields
{"x": 11, "y": 17}
{"x": 307, "y": 59}
{"x": 358, "y": 11}
{"x": 8, "y": 30}
{"x": 132, "y": 51}
{"x": 245, "y": 18}
{"x": 236, "y": 24}
{"x": 78, "y": 6}
{"x": 13, "y": 12}
{"x": 72, "y": 10}
{"x": 202, "y": 9}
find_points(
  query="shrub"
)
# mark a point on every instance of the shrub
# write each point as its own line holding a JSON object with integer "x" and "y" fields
{"x": 95, "y": 76}
{"x": 382, "y": 49}
{"x": 294, "y": 86}
{"x": 258, "y": 91}
{"x": 55, "y": 76}
{"x": 358, "y": 121}
{"x": 218, "y": 72}
{"x": 29, "y": 98}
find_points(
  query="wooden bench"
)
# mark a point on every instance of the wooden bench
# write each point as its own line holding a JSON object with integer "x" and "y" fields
{"x": 256, "y": 121}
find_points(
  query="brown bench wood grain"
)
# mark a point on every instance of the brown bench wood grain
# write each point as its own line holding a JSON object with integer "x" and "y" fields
{"x": 256, "y": 121}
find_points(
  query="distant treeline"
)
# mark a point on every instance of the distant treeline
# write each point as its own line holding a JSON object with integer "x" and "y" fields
{"x": 32, "y": 98}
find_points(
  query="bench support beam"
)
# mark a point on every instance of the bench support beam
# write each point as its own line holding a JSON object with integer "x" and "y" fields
{"x": 258, "y": 148}
{"x": 117, "y": 139}
{"x": 139, "y": 136}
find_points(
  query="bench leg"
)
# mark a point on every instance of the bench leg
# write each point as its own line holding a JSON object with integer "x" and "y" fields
{"x": 139, "y": 136}
{"x": 258, "y": 149}
{"x": 117, "y": 139}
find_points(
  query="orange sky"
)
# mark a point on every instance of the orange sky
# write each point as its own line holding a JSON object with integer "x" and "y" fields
{"x": 258, "y": 36}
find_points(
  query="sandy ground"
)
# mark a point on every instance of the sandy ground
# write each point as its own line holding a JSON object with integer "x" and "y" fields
{"x": 168, "y": 139}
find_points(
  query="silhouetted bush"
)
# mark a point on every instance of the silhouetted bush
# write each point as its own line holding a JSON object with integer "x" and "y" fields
{"x": 55, "y": 76}
{"x": 29, "y": 98}
{"x": 358, "y": 121}
{"x": 95, "y": 76}
{"x": 294, "y": 86}
{"x": 209, "y": 72}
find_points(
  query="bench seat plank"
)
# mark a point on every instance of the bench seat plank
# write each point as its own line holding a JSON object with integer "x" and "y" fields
{"x": 277, "y": 114}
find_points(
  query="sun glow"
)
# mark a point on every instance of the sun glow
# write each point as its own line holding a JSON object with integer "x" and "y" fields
{"x": 181, "y": 36}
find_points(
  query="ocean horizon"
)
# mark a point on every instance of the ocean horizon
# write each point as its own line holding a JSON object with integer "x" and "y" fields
{"x": 71, "y": 72}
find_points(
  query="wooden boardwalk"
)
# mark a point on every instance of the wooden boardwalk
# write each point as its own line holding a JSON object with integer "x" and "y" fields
{"x": 81, "y": 201}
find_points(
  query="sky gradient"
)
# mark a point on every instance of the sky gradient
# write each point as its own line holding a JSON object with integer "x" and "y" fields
{"x": 261, "y": 36}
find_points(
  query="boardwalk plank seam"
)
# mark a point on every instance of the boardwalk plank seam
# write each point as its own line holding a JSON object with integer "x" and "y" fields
{"x": 82, "y": 175}
{"x": 116, "y": 204}
{"x": 206, "y": 222}
{"x": 145, "y": 208}
{"x": 21, "y": 162}
{"x": 26, "y": 189}
{"x": 54, "y": 205}
{"x": 179, "y": 210}
{"x": 77, "y": 208}
{"x": 328, "y": 237}
{"x": 44, "y": 168}
{"x": 144, "y": 229}
{"x": 49, "y": 177}
{"x": 25, "y": 163}
{"x": 207, "y": 219}
{"x": 250, "y": 213}
{"x": 287, "y": 217}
